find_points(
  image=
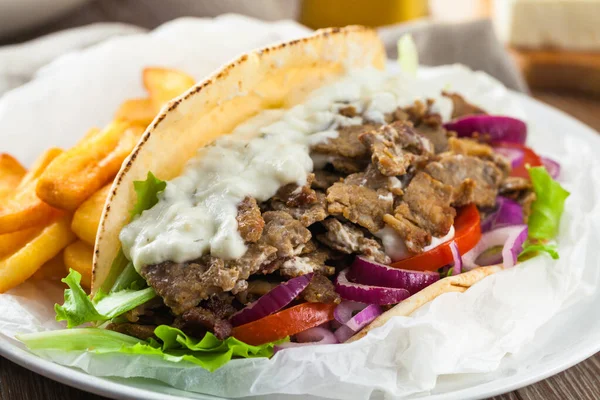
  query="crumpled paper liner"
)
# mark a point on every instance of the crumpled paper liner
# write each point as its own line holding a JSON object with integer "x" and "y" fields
{"x": 473, "y": 333}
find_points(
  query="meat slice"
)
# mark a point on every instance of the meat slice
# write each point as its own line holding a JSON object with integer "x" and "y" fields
{"x": 249, "y": 219}
{"x": 395, "y": 147}
{"x": 324, "y": 179}
{"x": 293, "y": 195}
{"x": 307, "y": 263}
{"x": 321, "y": 290}
{"x": 513, "y": 185}
{"x": 455, "y": 169}
{"x": 307, "y": 214}
{"x": 424, "y": 212}
{"x": 183, "y": 285}
{"x": 284, "y": 233}
{"x": 426, "y": 122}
{"x": 143, "y": 332}
{"x": 349, "y": 239}
{"x": 346, "y": 144}
{"x": 469, "y": 147}
{"x": 373, "y": 179}
{"x": 199, "y": 320}
{"x": 461, "y": 107}
{"x": 359, "y": 204}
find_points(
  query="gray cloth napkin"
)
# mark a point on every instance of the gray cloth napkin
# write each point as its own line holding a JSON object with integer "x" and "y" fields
{"x": 473, "y": 44}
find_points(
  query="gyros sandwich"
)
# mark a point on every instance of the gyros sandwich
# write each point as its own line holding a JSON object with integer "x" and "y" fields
{"x": 303, "y": 195}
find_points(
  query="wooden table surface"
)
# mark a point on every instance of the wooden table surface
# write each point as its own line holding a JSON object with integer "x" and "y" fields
{"x": 581, "y": 382}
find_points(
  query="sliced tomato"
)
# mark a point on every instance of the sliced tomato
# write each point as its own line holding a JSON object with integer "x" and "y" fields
{"x": 467, "y": 233}
{"x": 284, "y": 323}
{"x": 530, "y": 158}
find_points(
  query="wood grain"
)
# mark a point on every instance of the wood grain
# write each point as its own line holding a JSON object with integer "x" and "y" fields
{"x": 581, "y": 382}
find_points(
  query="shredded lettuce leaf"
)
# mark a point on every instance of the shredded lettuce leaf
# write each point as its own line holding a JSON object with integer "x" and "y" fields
{"x": 408, "y": 56}
{"x": 532, "y": 248}
{"x": 147, "y": 193}
{"x": 548, "y": 207}
{"x": 210, "y": 353}
{"x": 79, "y": 309}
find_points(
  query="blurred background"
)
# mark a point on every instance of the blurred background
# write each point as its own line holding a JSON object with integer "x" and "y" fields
{"x": 555, "y": 43}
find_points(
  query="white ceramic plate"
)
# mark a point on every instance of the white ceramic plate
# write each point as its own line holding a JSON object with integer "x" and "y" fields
{"x": 568, "y": 338}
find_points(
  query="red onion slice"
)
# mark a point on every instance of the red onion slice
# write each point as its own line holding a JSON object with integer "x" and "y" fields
{"x": 508, "y": 212}
{"x": 273, "y": 301}
{"x": 357, "y": 322}
{"x": 458, "y": 263}
{"x": 515, "y": 156}
{"x": 312, "y": 336}
{"x": 552, "y": 166}
{"x": 371, "y": 273}
{"x": 368, "y": 294}
{"x": 510, "y": 237}
{"x": 343, "y": 333}
{"x": 499, "y": 128}
{"x": 343, "y": 312}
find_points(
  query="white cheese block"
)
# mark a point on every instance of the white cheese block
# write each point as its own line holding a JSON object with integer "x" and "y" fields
{"x": 561, "y": 24}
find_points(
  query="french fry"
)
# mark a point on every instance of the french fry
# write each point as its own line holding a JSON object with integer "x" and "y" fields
{"x": 11, "y": 242}
{"x": 78, "y": 256}
{"x": 139, "y": 111}
{"x": 39, "y": 166}
{"x": 80, "y": 171}
{"x": 22, "y": 209}
{"x": 11, "y": 173}
{"x": 22, "y": 264}
{"x": 53, "y": 270}
{"x": 164, "y": 84}
{"x": 89, "y": 134}
{"x": 87, "y": 217}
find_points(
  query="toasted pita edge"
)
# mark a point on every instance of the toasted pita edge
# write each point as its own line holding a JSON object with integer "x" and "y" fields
{"x": 457, "y": 283}
{"x": 273, "y": 77}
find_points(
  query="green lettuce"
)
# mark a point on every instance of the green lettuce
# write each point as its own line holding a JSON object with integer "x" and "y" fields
{"x": 210, "y": 353}
{"x": 531, "y": 248}
{"x": 147, "y": 193}
{"x": 79, "y": 309}
{"x": 548, "y": 207}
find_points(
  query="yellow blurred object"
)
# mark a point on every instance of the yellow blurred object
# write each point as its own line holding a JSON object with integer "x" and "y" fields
{"x": 164, "y": 84}
{"x": 140, "y": 111}
{"x": 79, "y": 172}
{"x": 78, "y": 256}
{"x": 22, "y": 264}
{"x": 53, "y": 270}
{"x": 87, "y": 217}
{"x": 325, "y": 13}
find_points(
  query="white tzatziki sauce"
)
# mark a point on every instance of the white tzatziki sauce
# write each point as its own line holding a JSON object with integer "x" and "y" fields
{"x": 196, "y": 213}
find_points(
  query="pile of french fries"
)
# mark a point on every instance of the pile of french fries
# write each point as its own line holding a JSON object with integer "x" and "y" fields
{"x": 49, "y": 214}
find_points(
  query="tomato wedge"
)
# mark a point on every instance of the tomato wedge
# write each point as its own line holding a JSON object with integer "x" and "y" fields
{"x": 284, "y": 323}
{"x": 467, "y": 234}
{"x": 530, "y": 158}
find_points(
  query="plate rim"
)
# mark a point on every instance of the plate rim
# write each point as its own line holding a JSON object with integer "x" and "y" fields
{"x": 13, "y": 351}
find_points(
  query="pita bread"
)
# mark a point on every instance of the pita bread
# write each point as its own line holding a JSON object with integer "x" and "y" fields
{"x": 274, "y": 77}
{"x": 458, "y": 283}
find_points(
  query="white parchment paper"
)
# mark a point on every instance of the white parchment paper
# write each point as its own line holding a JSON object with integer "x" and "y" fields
{"x": 475, "y": 332}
